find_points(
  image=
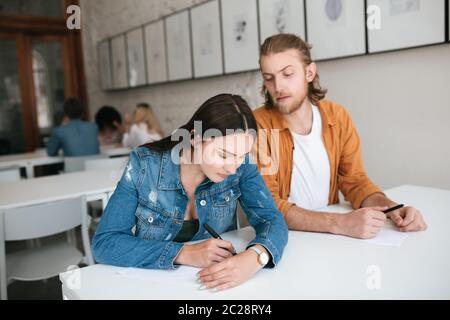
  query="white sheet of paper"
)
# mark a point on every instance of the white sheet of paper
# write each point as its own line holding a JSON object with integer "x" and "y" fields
{"x": 388, "y": 237}
{"x": 182, "y": 275}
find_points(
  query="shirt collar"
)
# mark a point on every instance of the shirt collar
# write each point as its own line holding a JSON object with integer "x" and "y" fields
{"x": 169, "y": 172}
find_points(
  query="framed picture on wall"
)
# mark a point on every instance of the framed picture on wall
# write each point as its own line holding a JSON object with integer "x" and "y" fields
{"x": 178, "y": 40}
{"x": 407, "y": 23}
{"x": 104, "y": 64}
{"x": 136, "y": 58}
{"x": 119, "y": 64}
{"x": 240, "y": 35}
{"x": 155, "y": 45}
{"x": 281, "y": 16}
{"x": 336, "y": 28}
{"x": 206, "y": 39}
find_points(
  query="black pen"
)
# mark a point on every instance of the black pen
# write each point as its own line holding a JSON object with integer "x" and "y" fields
{"x": 393, "y": 208}
{"x": 214, "y": 234}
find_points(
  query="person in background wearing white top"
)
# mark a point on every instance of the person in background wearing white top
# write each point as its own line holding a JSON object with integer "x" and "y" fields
{"x": 145, "y": 128}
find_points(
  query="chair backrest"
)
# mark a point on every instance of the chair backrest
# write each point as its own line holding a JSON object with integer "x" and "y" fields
{"x": 9, "y": 174}
{"x": 74, "y": 164}
{"x": 43, "y": 220}
{"x": 109, "y": 164}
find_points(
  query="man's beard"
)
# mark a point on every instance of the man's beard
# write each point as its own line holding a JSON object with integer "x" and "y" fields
{"x": 289, "y": 108}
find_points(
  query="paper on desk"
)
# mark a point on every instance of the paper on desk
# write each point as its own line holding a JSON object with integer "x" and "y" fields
{"x": 388, "y": 237}
{"x": 182, "y": 275}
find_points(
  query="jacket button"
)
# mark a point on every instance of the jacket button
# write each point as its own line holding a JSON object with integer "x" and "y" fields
{"x": 150, "y": 219}
{"x": 227, "y": 198}
{"x": 203, "y": 203}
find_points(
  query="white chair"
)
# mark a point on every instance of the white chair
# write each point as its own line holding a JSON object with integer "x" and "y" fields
{"x": 74, "y": 164}
{"x": 110, "y": 164}
{"x": 40, "y": 221}
{"x": 116, "y": 165}
{"x": 9, "y": 174}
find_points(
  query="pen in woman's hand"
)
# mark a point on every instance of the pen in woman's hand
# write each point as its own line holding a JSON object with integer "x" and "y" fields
{"x": 214, "y": 234}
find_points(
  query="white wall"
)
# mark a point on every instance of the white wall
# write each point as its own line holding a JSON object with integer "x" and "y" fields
{"x": 400, "y": 101}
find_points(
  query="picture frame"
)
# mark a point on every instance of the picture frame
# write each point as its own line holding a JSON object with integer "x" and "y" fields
{"x": 155, "y": 51}
{"x": 179, "y": 54}
{"x": 281, "y": 16}
{"x": 240, "y": 35}
{"x": 336, "y": 28}
{"x": 136, "y": 58}
{"x": 119, "y": 64}
{"x": 104, "y": 64}
{"x": 425, "y": 21}
{"x": 206, "y": 39}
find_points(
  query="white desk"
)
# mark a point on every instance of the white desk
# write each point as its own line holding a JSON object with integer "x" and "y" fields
{"x": 95, "y": 185}
{"x": 39, "y": 157}
{"x": 28, "y": 161}
{"x": 115, "y": 152}
{"x": 314, "y": 266}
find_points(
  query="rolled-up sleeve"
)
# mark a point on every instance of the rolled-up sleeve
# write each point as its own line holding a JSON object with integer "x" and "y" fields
{"x": 353, "y": 180}
{"x": 262, "y": 213}
{"x": 114, "y": 242}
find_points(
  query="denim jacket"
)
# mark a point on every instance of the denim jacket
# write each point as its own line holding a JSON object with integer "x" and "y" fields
{"x": 150, "y": 197}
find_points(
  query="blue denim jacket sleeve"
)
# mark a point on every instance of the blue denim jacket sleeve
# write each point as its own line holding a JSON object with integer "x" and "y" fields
{"x": 262, "y": 213}
{"x": 54, "y": 144}
{"x": 115, "y": 244}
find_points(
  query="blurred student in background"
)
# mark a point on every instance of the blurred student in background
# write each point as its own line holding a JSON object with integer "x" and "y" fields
{"x": 108, "y": 120}
{"x": 143, "y": 129}
{"x": 74, "y": 136}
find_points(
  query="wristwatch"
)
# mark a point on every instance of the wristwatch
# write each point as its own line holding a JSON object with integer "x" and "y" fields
{"x": 263, "y": 258}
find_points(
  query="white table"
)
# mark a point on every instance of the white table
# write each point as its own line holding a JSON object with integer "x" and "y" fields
{"x": 95, "y": 185}
{"x": 28, "y": 161}
{"x": 39, "y": 157}
{"x": 115, "y": 152}
{"x": 314, "y": 266}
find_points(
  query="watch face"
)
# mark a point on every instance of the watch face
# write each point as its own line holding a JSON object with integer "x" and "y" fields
{"x": 263, "y": 258}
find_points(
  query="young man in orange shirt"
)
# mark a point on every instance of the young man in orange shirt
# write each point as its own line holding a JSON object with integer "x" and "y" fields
{"x": 309, "y": 149}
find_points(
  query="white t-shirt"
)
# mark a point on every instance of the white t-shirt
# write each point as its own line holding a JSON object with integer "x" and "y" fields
{"x": 138, "y": 136}
{"x": 310, "y": 180}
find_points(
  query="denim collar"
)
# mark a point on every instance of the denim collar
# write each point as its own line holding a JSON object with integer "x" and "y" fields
{"x": 169, "y": 173}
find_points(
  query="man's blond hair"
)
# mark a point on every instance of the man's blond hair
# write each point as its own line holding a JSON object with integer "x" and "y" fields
{"x": 285, "y": 41}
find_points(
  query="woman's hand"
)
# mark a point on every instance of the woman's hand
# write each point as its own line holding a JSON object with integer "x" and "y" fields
{"x": 205, "y": 253}
{"x": 231, "y": 272}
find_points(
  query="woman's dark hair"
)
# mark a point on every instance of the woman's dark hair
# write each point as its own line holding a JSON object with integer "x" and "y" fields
{"x": 223, "y": 112}
{"x": 106, "y": 116}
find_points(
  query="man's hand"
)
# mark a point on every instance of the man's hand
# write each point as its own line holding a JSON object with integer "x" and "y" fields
{"x": 362, "y": 223}
{"x": 408, "y": 219}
